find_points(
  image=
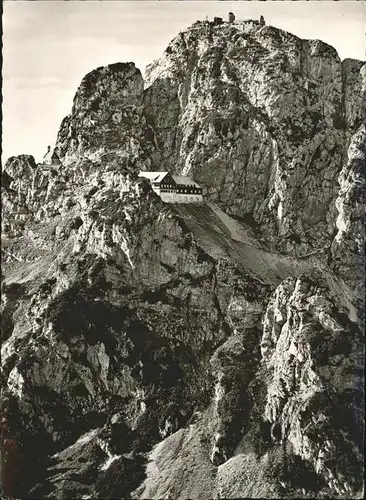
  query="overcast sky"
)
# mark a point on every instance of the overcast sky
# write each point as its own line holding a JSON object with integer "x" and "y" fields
{"x": 48, "y": 46}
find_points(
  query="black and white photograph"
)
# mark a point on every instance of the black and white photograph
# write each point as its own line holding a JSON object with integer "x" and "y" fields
{"x": 182, "y": 249}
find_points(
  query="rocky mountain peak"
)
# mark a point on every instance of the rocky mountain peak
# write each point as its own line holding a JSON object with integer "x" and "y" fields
{"x": 107, "y": 105}
{"x": 194, "y": 350}
{"x": 122, "y": 78}
{"x": 258, "y": 115}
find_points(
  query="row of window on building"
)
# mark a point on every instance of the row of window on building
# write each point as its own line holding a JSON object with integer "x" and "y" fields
{"x": 172, "y": 189}
{"x": 190, "y": 190}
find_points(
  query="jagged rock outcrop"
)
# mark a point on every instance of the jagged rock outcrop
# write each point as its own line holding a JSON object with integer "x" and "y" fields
{"x": 152, "y": 350}
{"x": 348, "y": 245}
{"x": 314, "y": 399}
{"x": 107, "y": 118}
{"x": 17, "y": 182}
{"x": 33, "y": 192}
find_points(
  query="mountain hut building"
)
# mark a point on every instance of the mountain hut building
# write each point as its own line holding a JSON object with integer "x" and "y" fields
{"x": 174, "y": 188}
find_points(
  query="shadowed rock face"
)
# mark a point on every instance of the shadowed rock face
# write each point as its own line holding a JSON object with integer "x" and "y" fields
{"x": 215, "y": 331}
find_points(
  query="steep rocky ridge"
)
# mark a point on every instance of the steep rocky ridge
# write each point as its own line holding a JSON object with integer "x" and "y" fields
{"x": 201, "y": 330}
{"x": 263, "y": 119}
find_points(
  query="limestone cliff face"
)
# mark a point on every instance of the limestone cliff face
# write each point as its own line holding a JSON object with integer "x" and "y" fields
{"x": 152, "y": 350}
{"x": 314, "y": 354}
{"x": 348, "y": 245}
{"x": 263, "y": 120}
{"x": 347, "y": 249}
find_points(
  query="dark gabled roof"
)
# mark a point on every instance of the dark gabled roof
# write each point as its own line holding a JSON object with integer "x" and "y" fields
{"x": 183, "y": 180}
